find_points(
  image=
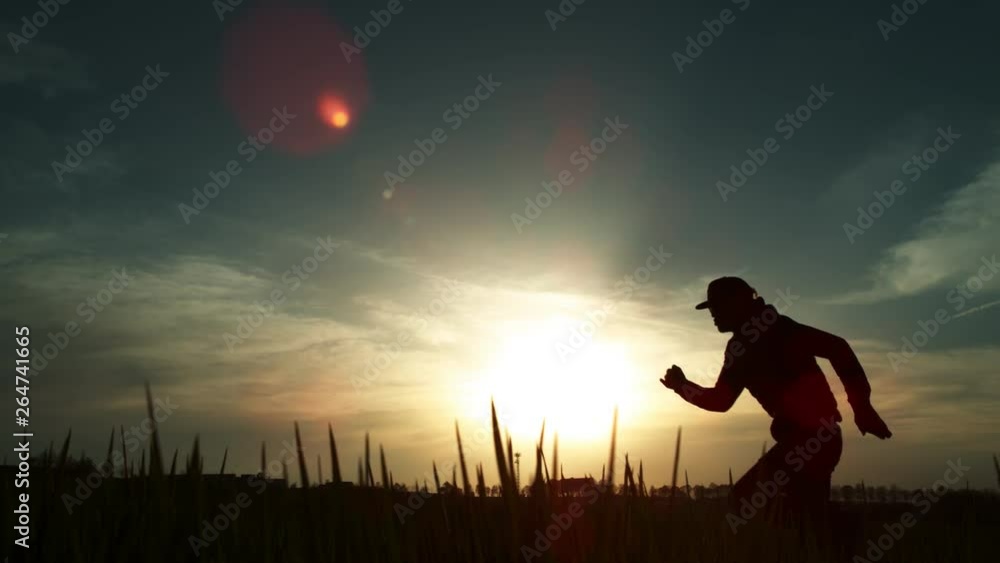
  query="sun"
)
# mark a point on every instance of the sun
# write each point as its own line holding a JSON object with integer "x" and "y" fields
{"x": 575, "y": 393}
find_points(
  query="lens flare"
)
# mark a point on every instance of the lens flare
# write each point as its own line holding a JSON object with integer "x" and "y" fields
{"x": 288, "y": 55}
{"x": 334, "y": 112}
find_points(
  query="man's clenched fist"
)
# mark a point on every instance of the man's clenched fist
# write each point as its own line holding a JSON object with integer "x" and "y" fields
{"x": 674, "y": 378}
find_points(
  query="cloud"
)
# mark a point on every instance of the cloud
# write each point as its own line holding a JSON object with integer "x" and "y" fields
{"x": 881, "y": 164}
{"x": 48, "y": 68}
{"x": 28, "y": 154}
{"x": 942, "y": 394}
{"x": 946, "y": 247}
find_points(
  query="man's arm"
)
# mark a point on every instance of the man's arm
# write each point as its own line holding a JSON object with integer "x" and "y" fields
{"x": 716, "y": 399}
{"x": 845, "y": 363}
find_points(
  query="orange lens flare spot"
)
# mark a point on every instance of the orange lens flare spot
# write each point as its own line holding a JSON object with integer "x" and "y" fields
{"x": 339, "y": 119}
{"x": 334, "y": 112}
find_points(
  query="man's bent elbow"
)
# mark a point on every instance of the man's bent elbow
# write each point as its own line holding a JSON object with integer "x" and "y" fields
{"x": 719, "y": 405}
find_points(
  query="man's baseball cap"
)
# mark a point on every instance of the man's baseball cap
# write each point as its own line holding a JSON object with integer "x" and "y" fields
{"x": 727, "y": 289}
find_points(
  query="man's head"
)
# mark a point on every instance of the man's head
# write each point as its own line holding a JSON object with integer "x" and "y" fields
{"x": 731, "y": 301}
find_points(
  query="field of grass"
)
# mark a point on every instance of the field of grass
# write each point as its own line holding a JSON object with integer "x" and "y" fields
{"x": 157, "y": 512}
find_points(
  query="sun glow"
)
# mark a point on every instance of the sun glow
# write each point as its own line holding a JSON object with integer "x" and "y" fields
{"x": 533, "y": 377}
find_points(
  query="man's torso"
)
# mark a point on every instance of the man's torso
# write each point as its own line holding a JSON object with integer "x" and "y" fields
{"x": 781, "y": 373}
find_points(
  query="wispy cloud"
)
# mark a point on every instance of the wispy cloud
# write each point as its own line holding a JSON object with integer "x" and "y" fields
{"x": 978, "y": 309}
{"x": 880, "y": 164}
{"x": 945, "y": 247}
{"x": 49, "y": 68}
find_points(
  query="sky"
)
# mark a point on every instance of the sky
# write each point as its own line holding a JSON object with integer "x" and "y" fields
{"x": 521, "y": 200}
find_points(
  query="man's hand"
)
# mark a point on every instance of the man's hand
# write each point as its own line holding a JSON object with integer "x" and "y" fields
{"x": 869, "y": 421}
{"x": 674, "y": 379}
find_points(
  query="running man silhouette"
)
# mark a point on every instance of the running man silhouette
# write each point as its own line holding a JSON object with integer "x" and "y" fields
{"x": 774, "y": 358}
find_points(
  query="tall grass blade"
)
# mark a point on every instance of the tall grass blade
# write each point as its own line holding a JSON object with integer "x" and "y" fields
{"x": 677, "y": 462}
{"x": 263, "y": 459}
{"x": 510, "y": 464}
{"x": 334, "y": 460}
{"x": 303, "y": 473}
{"x": 506, "y": 483}
{"x": 538, "y": 483}
{"x": 64, "y": 453}
{"x": 155, "y": 457}
{"x": 627, "y": 480}
{"x": 111, "y": 445}
{"x": 385, "y": 470}
{"x": 466, "y": 486}
{"x": 195, "y": 467}
{"x": 611, "y": 454}
{"x": 642, "y": 481}
{"x": 996, "y": 466}
{"x": 480, "y": 481}
{"x": 556, "y": 469}
{"x": 369, "y": 476}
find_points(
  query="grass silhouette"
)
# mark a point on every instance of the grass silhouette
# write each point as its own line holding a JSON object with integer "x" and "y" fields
{"x": 147, "y": 514}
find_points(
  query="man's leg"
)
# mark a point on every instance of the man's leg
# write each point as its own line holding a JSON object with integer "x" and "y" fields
{"x": 809, "y": 490}
{"x": 761, "y": 480}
